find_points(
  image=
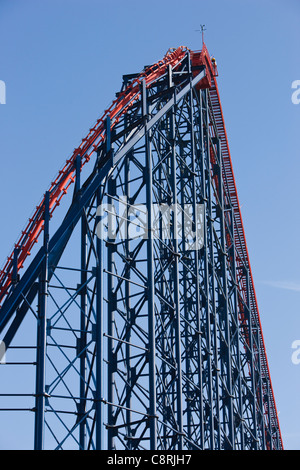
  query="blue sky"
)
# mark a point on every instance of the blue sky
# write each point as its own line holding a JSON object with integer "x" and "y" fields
{"x": 62, "y": 63}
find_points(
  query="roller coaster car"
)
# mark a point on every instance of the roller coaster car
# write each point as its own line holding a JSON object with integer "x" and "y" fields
{"x": 200, "y": 59}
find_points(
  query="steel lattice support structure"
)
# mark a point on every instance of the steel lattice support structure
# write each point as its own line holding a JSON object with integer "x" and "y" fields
{"x": 140, "y": 305}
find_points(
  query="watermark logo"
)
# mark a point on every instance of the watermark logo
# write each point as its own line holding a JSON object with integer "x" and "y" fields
{"x": 121, "y": 220}
{"x": 2, "y": 352}
{"x": 296, "y": 353}
{"x": 296, "y": 93}
{"x": 2, "y": 92}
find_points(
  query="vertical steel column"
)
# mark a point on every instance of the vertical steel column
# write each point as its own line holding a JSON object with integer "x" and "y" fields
{"x": 252, "y": 365}
{"x": 228, "y": 379}
{"x": 99, "y": 329}
{"x": 260, "y": 398}
{"x": 176, "y": 279}
{"x": 195, "y": 198}
{"x": 110, "y": 330}
{"x": 127, "y": 303}
{"x": 208, "y": 269}
{"x": 150, "y": 280}
{"x": 232, "y": 253}
{"x": 162, "y": 292}
{"x": 83, "y": 339}
{"x": 111, "y": 297}
{"x": 41, "y": 337}
{"x": 129, "y": 313}
{"x": 200, "y": 160}
{"x": 186, "y": 311}
{"x": 269, "y": 432}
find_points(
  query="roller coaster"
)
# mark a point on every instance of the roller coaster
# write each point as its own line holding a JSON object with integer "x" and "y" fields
{"x": 128, "y": 298}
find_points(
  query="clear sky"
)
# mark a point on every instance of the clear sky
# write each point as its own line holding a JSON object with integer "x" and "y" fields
{"x": 62, "y": 62}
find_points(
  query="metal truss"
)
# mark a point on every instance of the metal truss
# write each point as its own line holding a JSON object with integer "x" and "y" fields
{"x": 139, "y": 305}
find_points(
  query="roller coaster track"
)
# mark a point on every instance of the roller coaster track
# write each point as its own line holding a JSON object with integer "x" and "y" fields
{"x": 14, "y": 286}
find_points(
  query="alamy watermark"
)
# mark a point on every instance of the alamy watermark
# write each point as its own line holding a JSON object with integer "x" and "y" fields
{"x": 2, "y": 352}
{"x": 2, "y": 92}
{"x": 296, "y": 93}
{"x": 120, "y": 220}
{"x": 296, "y": 352}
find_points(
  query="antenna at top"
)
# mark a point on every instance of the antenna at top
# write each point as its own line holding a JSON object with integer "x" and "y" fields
{"x": 202, "y": 26}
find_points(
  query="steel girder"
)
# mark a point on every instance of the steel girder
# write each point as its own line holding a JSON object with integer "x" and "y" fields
{"x": 144, "y": 340}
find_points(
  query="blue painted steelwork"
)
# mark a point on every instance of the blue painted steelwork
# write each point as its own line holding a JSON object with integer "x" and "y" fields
{"x": 41, "y": 337}
{"x": 144, "y": 342}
